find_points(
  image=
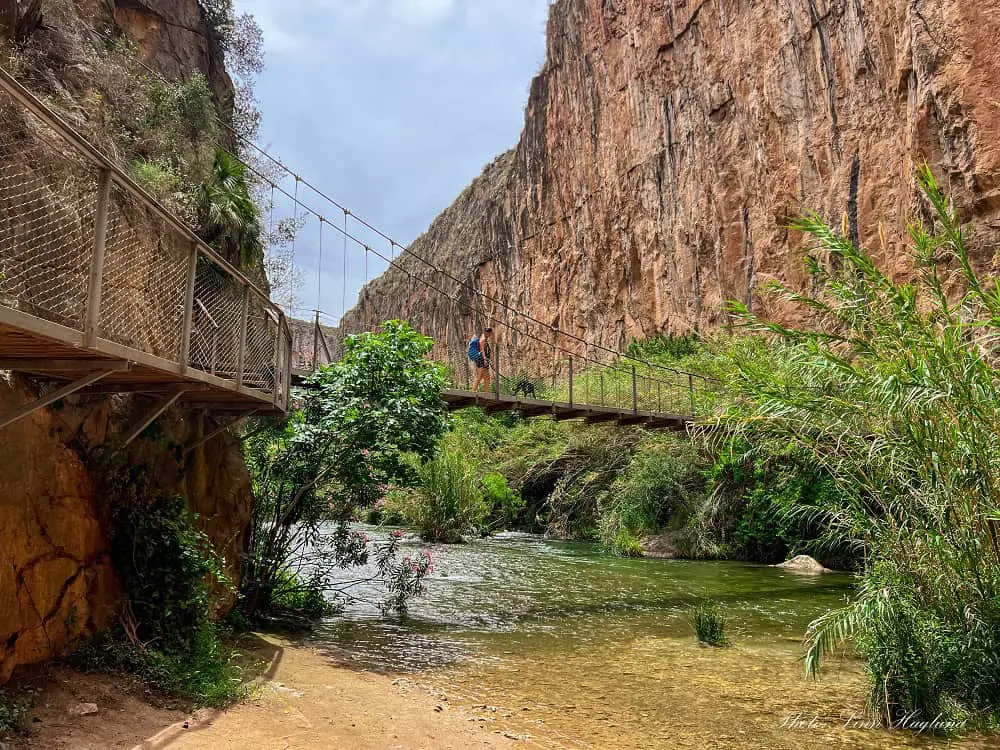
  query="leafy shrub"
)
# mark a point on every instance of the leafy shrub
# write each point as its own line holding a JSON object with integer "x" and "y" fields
{"x": 163, "y": 560}
{"x": 665, "y": 348}
{"x": 762, "y": 502}
{"x": 448, "y": 501}
{"x": 167, "y": 567}
{"x": 659, "y": 488}
{"x": 360, "y": 420}
{"x": 710, "y": 625}
{"x": 301, "y": 595}
{"x": 504, "y": 503}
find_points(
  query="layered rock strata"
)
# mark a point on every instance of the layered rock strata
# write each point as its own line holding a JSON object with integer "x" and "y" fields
{"x": 667, "y": 142}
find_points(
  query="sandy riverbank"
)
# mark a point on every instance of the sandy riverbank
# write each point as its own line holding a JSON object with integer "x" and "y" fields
{"x": 302, "y": 700}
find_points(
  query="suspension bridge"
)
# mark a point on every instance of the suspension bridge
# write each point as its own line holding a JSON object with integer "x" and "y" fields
{"x": 105, "y": 290}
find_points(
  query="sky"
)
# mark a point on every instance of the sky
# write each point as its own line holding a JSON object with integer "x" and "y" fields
{"x": 391, "y": 107}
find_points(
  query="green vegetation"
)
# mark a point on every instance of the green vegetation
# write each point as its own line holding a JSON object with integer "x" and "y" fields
{"x": 894, "y": 396}
{"x": 228, "y": 216}
{"x": 365, "y": 424}
{"x": 660, "y": 489}
{"x": 173, "y": 581}
{"x": 448, "y": 501}
{"x": 710, "y": 625}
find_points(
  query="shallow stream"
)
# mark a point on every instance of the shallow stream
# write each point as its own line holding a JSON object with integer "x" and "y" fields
{"x": 566, "y": 646}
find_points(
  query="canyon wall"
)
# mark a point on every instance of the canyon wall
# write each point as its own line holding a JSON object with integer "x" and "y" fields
{"x": 666, "y": 144}
{"x": 57, "y": 582}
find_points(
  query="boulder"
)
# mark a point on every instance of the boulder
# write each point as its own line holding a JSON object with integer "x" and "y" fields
{"x": 803, "y": 564}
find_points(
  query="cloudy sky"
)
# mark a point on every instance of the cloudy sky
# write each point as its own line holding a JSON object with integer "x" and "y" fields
{"x": 391, "y": 107}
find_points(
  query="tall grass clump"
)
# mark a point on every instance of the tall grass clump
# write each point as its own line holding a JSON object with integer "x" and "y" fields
{"x": 710, "y": 625}
{"x": 894, "y": 395}
{"x": 448, "y": 501}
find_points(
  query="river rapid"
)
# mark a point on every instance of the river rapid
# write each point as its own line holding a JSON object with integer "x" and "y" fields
{"x": 566, "y": 646}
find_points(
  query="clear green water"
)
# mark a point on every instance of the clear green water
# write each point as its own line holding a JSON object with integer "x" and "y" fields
{"x": 567, "y": 646}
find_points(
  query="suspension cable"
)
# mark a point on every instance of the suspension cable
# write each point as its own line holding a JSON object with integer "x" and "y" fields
{"x": 404, "y": 249}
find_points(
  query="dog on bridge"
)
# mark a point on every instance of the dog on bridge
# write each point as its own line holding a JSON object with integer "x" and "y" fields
{"x": 523, "y": 387}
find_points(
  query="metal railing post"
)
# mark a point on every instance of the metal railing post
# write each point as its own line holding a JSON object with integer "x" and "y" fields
{"x": 635, "y": 393}
{"x": 93, "y": 324}
{"x": 570, "y": 379}
{"x": 601, "y": 376}
{"x": 691, "y": 392}
{"x": 496, "y": 369}
{"x": 659, "y": 401}
{"x": 188, "y": 324}
{"x": 241, "y": 358}
{"x": 315, "y": 364}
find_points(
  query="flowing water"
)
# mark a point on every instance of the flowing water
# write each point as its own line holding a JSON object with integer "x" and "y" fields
{"x": 566, "y": 646}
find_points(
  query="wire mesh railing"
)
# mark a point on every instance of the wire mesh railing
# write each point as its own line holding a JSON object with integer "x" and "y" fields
{"x": 84, "y": 248}
{"x": 570, "y": 380}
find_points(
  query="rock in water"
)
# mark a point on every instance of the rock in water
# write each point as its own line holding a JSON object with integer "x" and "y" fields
{"x": 803, "y": 564}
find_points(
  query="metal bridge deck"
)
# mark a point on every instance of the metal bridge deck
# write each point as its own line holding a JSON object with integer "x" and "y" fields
{"x": 590, "y": 413}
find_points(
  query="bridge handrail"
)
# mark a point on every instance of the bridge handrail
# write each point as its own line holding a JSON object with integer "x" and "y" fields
{"x": 273, "y": 353}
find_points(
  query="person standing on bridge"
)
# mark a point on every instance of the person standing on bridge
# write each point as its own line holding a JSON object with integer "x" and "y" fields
{"x": 481, "y": 355}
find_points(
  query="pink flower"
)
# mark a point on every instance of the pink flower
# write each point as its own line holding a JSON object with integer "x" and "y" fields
{"x": 397, "y": 534}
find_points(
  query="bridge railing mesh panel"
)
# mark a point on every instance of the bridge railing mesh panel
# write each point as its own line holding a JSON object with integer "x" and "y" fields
{"x": 218, "y": 306}
{"x": 145, "y": 280}
{"x": 50, "y": 213}
{"x": 262, "y": 335}
{"x": 47, "y": 213}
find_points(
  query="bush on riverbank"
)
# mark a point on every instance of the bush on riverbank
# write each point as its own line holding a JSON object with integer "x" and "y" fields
{"x": 447, "y": 502}
{"x": 364, "y": 425}
{"x": 894, "y": 395}
{"x": 660, "y": 488}
{"x": 172, "y": 580}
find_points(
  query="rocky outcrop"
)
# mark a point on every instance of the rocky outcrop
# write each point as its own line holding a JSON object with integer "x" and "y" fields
{"x": 667, "y": 142}
{"x": 57, "y": 582}
{"x": 174, "y": 39}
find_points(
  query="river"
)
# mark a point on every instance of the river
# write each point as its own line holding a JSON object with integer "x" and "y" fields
{"x": 566, "y": 646}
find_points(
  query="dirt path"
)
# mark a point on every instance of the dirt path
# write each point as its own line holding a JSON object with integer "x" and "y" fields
{"x": 302, "y": 701}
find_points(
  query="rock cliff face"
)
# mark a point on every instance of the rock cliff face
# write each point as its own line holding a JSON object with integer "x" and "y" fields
{"x": 57, "y": 583}
{"x": 666, "y": 142}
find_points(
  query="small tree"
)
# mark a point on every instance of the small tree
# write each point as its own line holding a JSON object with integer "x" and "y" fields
{"x": 337, "y": 454}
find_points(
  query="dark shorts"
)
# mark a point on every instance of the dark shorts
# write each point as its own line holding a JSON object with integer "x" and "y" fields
{"x": 480, "y": 361}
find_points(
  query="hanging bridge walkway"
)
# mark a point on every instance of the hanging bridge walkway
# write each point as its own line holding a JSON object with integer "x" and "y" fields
{"x": 104, "y": 290}
{"x": 602, "y": 392}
